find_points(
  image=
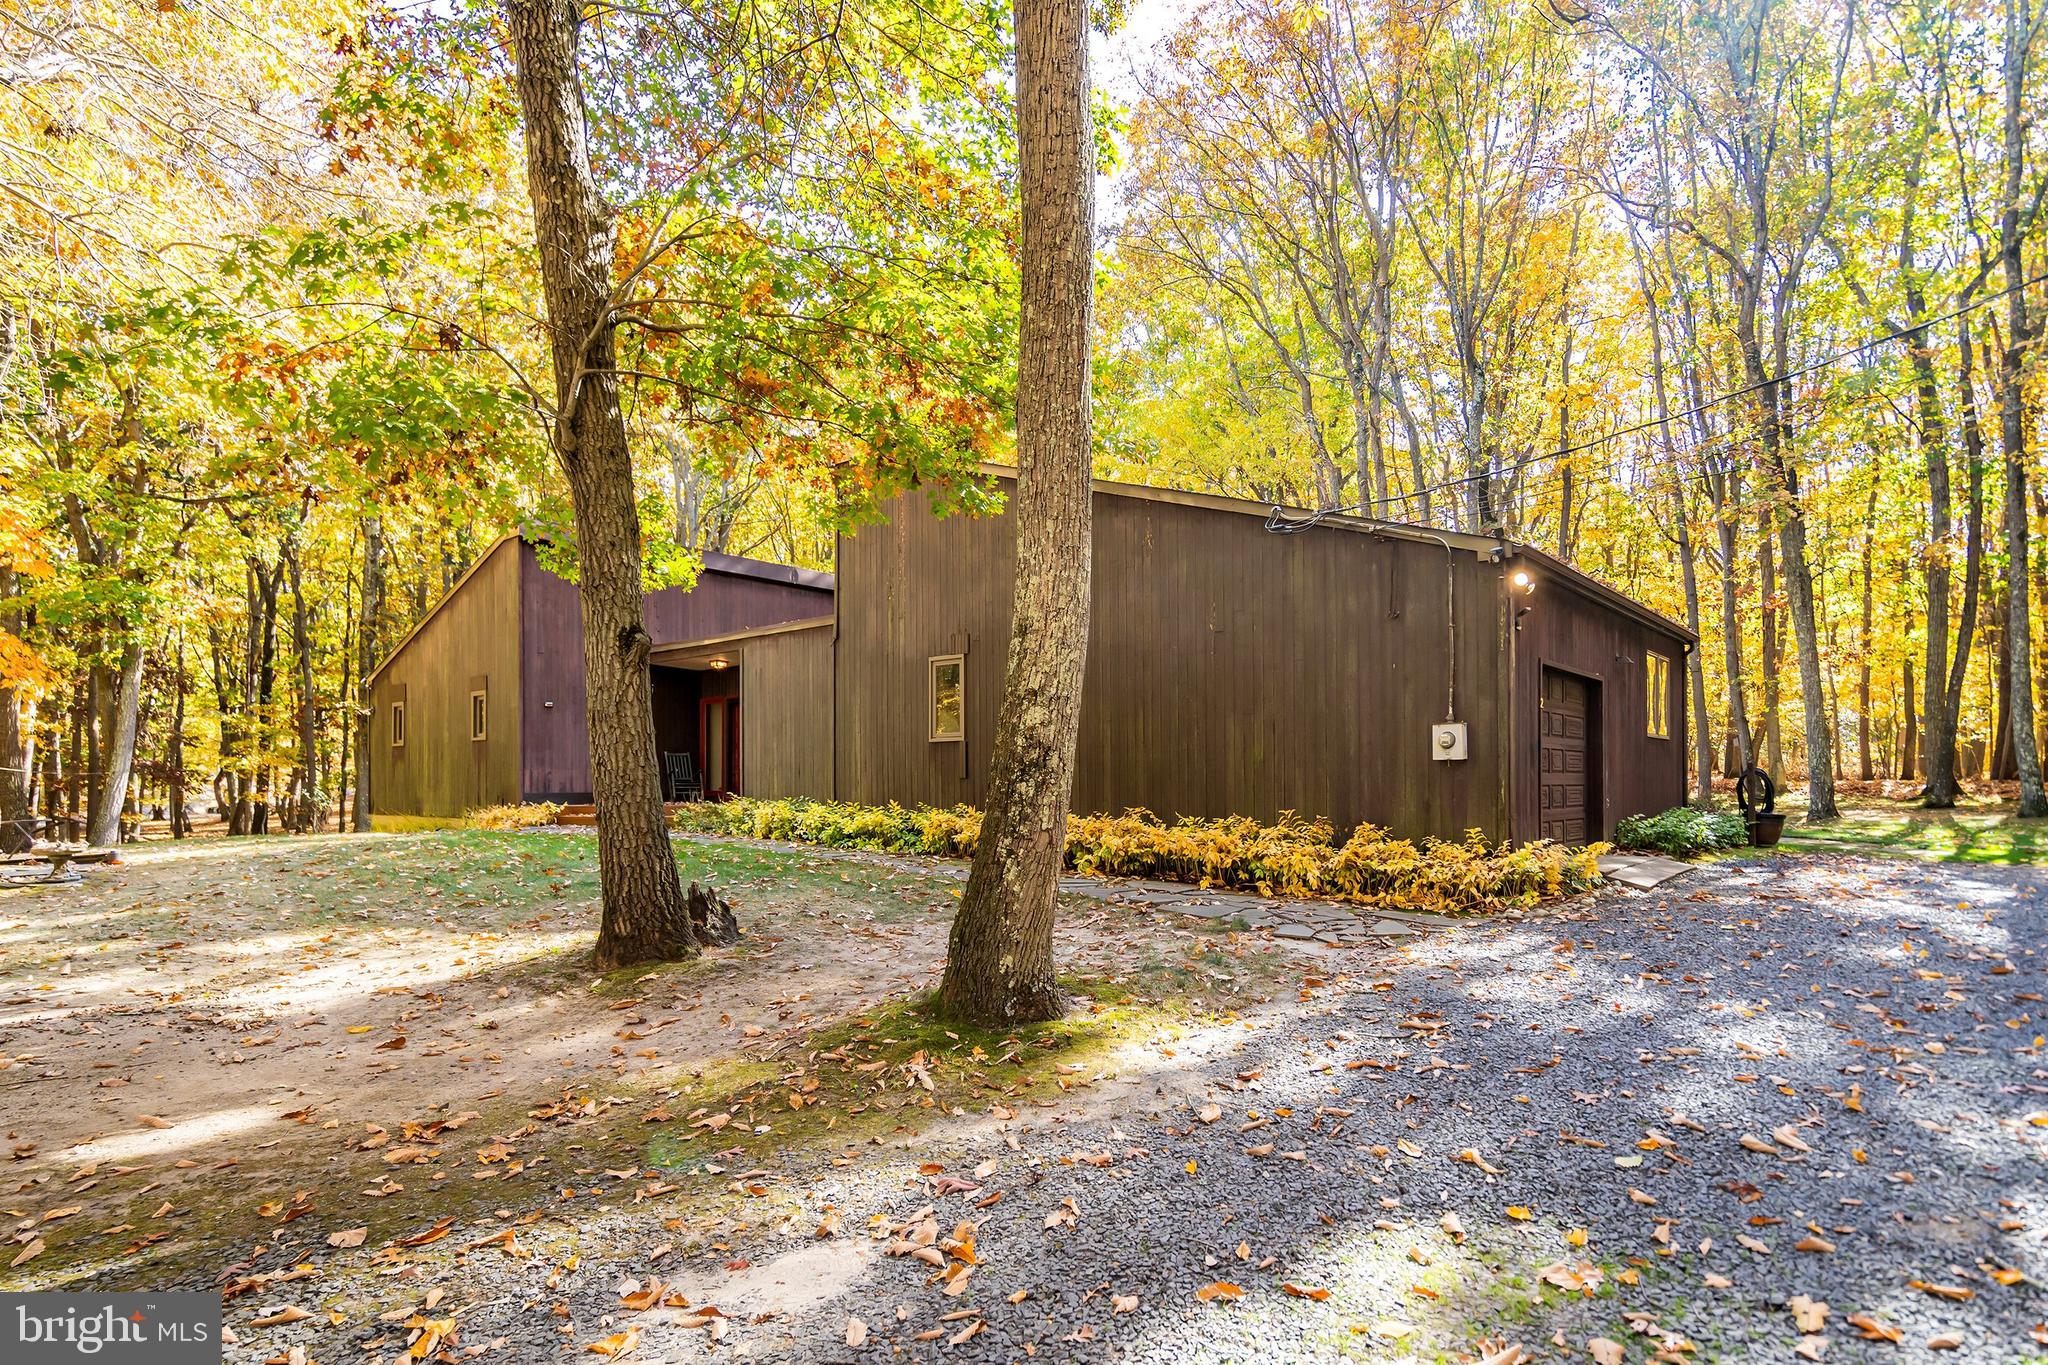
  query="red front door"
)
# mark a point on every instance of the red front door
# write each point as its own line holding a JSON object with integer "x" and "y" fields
{"x": 718, "y": 740}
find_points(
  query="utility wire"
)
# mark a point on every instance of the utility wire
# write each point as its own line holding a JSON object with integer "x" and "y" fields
{"x": 1278, "y": 522}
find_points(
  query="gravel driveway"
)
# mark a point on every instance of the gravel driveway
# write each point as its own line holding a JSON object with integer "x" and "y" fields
{"x": 1670, "y": 1122}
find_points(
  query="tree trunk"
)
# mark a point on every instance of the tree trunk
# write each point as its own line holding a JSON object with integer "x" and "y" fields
{"x": 1727, "y": 489}
{"x": 117, "y": 751}
{"x": 369, "y": 625}
{"x": 17, "y": 747}
{"x": 307, "y": 808}
{"x": 1945, "y": 702}
{"x": 644, "y": 916}
{"x": 174, "y": 750}
{"x": 2012, "y": 413}
{"x": 1773, "y": 641}
{"x": 1865, "y": 643}
{"x": 999, "y": 964}
{"x": 1909, "y": 738}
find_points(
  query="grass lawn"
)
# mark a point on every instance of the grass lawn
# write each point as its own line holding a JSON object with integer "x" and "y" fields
{"x": 225, "y": 1050}
{"x": 1976, "y": 831}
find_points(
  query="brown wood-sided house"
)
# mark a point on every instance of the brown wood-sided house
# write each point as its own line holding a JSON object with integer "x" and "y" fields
{"x": 1427, "y": 682}
{"x": 482, "y": 703}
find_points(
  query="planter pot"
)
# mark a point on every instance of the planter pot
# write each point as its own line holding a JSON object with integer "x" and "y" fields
{"x": 1764, "y": 829}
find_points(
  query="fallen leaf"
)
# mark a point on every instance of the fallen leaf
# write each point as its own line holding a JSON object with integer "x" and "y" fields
{"x": 292, "y": 1313}
{"x": 1606, "y": 1351}
{"x": 617, "y": 1344}
{"x": 347, "y": 1237}
{"x": 856, "y": 1332}
{"x": 1875, "y": 1329}
{"x": 1219, "y": 1289}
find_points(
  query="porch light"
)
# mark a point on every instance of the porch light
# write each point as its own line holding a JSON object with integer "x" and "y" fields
{"x": 721, "y": 663}
{"x": 1524, "y": 582}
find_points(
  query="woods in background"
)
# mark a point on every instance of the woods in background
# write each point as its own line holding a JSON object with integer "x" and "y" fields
{"x": 1735, "y": 304}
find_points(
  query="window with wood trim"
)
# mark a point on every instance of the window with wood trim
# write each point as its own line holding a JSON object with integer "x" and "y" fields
{"x": 479, "y": 715}
{"x": 1657, "y": 695}
{"x": 948, "y": 675}
{"x": 398, "y": 725}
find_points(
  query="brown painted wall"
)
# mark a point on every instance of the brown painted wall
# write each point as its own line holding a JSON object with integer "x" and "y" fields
{"x": 470, "y": 643}
{"x": 786, "y": 714}
{"x": 1231, "y": 670}
{"x": 556, "y": 742}
{"x": 1567, "y": 629}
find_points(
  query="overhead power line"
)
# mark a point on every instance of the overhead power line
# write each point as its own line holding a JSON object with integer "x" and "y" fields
{"x": 1281, "y": 523}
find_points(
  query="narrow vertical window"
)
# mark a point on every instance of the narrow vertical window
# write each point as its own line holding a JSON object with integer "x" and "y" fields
{"x": 479, "y": 715}
{"x": 948, "y": 697}
{"x": 1658, "y": 698}
{"x": 398, "y": 725}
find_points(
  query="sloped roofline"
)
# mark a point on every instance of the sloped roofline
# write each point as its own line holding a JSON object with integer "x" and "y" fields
{"x": 1498, "y": 548}
{"x": 736, "y": 566}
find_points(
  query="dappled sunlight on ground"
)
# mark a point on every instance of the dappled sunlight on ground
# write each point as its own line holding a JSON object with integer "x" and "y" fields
{"x": 210, "y": 1041}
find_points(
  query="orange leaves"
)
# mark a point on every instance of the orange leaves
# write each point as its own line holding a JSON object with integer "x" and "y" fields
{"x": 1220, "y": 1290}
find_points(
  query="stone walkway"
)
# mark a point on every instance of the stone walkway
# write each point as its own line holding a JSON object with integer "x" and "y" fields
{"x": 1642, "y": 871}
{"x": 1330, "y": 923}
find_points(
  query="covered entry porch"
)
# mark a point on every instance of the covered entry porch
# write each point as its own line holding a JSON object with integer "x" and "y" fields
{"x": 745, "y": 714}
{"x": 697, "y": 728}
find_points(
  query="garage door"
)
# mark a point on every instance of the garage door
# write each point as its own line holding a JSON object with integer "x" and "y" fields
{"x": 1566, "y": 772}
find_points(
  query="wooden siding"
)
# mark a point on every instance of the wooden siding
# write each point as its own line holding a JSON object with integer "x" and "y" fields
{"x": 1231, "y": 670}
{"x": 555, "y": 739}
{"x": 786, "y": 713}
{"x": 470, "y": 643}
{"x": 1567, "y": 628}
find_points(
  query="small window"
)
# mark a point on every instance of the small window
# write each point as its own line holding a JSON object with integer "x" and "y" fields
{"x": 949, "y": 697}
{"x": 479, "y": 715}
{"x": 398, "y": 725}
{"x": 1658, "y": 697}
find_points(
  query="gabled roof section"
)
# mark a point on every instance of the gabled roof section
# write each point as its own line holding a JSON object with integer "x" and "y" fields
{"x": 736, "y": 566}
{"x": 392, "y": 654}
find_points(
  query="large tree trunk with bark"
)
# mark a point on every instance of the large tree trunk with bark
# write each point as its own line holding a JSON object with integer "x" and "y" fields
{"x": 645, "y": 916}
{"x": 2012, "y": 413}
{"x": 117, "y": 750}
{"x": 999, "y": 964}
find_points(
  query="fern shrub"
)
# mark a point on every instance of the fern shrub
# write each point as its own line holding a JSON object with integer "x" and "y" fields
{"x": 525, "y": 815}
{"x": 1682, "y": 831}
{"x": 1294, "y": 857}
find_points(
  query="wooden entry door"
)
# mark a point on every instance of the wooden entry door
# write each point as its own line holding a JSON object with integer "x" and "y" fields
{"x": 718, "y": 740}
{"x": 1568, "y": 775}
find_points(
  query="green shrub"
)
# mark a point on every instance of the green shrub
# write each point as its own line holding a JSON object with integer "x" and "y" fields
{"x": 526, "y": 815}
{"x": 1682, "y": 831}
{"x": 1295, "y": 857}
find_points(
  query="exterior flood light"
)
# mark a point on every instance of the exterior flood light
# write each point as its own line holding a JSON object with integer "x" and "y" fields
{"x": 1524, "y": 581}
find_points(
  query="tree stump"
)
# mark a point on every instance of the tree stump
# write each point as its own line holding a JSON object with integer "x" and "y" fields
{"x": 711, "y": 918}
